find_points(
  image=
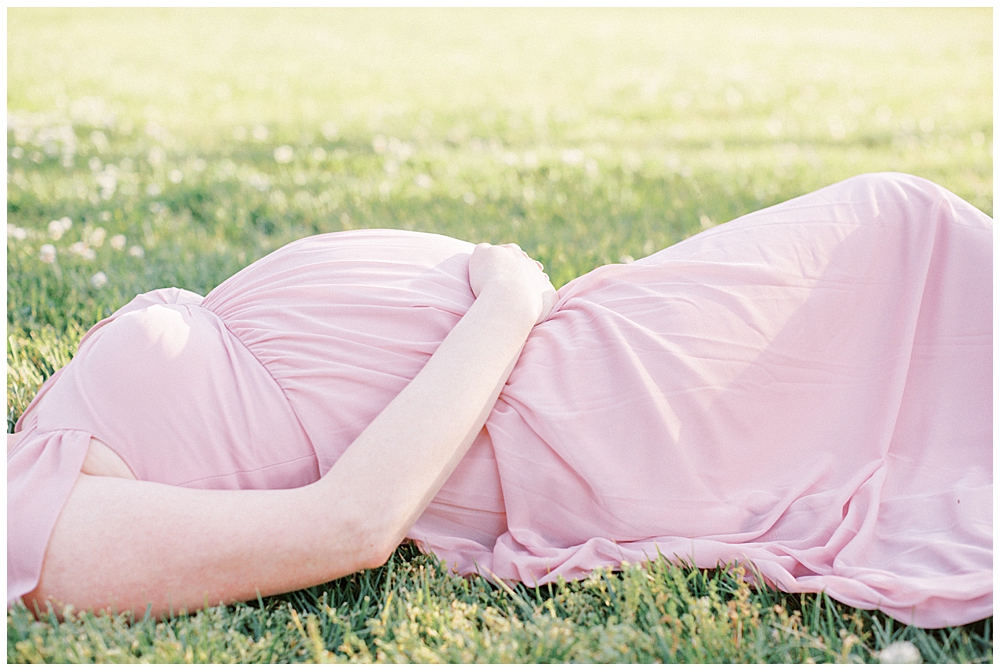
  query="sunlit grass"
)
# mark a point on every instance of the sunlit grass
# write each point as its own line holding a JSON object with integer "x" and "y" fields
{"x": 181, "y": 145}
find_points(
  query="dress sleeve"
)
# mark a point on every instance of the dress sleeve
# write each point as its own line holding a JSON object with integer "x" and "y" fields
{"x": 41, "y": 473}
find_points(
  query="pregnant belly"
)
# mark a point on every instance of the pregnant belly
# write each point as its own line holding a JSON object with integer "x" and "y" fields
{"x": 342, "y": 322}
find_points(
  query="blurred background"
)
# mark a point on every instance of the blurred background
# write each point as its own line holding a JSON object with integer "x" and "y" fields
{"x": 206, "y": 138}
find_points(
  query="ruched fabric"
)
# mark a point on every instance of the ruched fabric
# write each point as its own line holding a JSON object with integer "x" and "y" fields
{"x": 808, "y": 388}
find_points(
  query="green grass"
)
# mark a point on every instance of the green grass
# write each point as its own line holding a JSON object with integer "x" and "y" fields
{"x": 585, "y": 136}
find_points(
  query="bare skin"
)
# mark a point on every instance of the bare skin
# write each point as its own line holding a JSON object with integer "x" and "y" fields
{"x": 124, "y": 544}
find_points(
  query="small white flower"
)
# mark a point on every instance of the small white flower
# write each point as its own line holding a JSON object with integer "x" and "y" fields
{"x": 47, "y": 254}
{"x": 329, "y": 130}
{"x": 284, "y": 154}
{"x": 469, "y": 198}
{"x": 97, "y": 237}
{"x": 259, "y": 182}
{"x": 95, "y": 163}
{"x": 260, "y": 132}
{"x": 55, "y": 229}
{"x": 16, "y": 152}
{"x": 136, "y": 251}
{"x": 572, "y": 156}
{"x": 900, "y": 652}
{"x": 16, "y": 232}
{"x": 175, "y": 176}
{"x": 81, "y": 249}
{"x": 117, "y": 242}
{"x": 99, "y": 279}
{"x": 157, "y": 156}
{"x": 625, "y": 258}
{"x": 199, "y": 164}
{"x": 424, "y": 181}
{"x": 153, "y": 190}
{"x": 319, "y": 154}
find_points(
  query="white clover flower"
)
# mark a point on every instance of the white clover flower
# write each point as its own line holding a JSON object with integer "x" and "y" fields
{"x": 157, "y": 155}
{"x": 319, "y": 154}
{"x": 117, "y": 242}
{"x": 175, "y": 176}
{"x": 97, "y": 236}
{"x": 199, "y": 165}
{"x": 47, "y": 254}
{"x": 284, "y": 154}
{"x": 16, "y": 232}
{"x": 136, "y": 251}
{"x": 572, "y": 156}
{"x": 259, "y": 182}
{"x": 153, "y": 190}
{"x": 424, "y": 181}
{"x": 329, "y": 130}
{"x": 95, "y": 163}
{"x": 98, "y": 280}
{"x": 81, "y": 249}
{"x": 900, "y": 652}
{"x": 260, "y": 132}
{"x": 55, "y": 229}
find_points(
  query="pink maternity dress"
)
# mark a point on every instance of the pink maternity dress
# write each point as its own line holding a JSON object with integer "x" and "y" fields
{"x": 808, "y": 387}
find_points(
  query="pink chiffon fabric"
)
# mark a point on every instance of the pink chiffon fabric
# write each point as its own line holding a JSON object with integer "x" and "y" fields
{"x": 807, "y": 388}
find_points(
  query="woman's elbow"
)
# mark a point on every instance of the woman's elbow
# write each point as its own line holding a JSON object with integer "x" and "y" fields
{"x": 373, "y": 543}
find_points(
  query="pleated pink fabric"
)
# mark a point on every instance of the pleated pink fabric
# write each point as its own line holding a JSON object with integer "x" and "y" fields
{"x": 808, "y": 388}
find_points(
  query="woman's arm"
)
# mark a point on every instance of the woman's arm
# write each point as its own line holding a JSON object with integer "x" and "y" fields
{"x": 125, "y": 544}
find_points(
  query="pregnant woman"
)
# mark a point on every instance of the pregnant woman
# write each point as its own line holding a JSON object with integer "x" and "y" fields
{"x": 807, "y": 388}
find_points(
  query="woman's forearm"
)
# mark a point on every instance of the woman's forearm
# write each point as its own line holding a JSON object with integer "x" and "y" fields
{"x": 395, "y": 467}
{"x": 128, "y": 544}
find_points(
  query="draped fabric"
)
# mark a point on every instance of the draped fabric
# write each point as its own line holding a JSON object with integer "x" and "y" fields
{"x": 808, "y": 388}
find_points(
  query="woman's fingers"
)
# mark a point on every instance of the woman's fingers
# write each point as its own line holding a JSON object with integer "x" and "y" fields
{"x": 514, "y": 245}
{"x": 507, "y": 264}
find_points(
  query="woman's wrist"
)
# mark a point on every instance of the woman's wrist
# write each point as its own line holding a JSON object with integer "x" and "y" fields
{"x": 513, "y": 299}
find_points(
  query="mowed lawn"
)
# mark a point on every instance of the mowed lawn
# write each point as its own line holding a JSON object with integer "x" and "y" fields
{"x": 152, "y": 148}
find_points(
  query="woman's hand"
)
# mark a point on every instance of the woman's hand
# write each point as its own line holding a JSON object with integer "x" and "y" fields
{"x": 507, "y": 267}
